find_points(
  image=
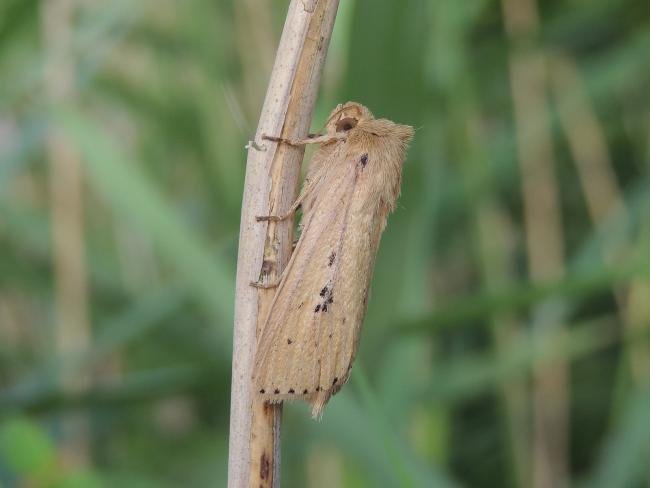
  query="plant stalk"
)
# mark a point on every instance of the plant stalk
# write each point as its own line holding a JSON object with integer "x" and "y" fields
{"x": 264, "y": 248}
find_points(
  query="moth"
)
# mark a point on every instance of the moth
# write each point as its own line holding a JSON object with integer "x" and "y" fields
{"x": 311, "y": 333}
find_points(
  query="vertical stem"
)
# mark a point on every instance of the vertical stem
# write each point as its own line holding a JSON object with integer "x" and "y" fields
{"x": 544, "y": 241}
{"x": 493, "y": 242}
{"x": 66, "y": 193}
{"x": 588, "y": 145}
{"x": 587, "y": 142}
{"x": 495, "y": 237}
{"x": 264, "y": 249}
{"x": 256, "y": 42}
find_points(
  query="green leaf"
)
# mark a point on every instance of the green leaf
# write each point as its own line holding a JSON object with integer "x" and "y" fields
{"x": 24, "y": 448}
{"x": 80, "y": 479}
{"x": 624, "y": 459}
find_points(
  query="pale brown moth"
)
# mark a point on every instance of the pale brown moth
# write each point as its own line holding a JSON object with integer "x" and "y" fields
{"x": 310, "y": 336}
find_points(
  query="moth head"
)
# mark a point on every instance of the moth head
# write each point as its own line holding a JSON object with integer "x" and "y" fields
{"x": 347, "y": 116}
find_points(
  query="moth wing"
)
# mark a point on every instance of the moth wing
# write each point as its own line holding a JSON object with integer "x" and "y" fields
{"x": 310, "y": 336}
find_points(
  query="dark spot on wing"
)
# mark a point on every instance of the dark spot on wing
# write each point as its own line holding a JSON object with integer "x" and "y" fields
{"x": 318, "y": 388}
{"x": 331, "y": 259}
{"x": 262, "y": 390}
{"x": 291, "y": 390}
{"x": 289, "y": 341}
{"x": 364, "y": 160}
{"x": 305, "y": 391}
{"x": 276, "y": 391}
{"x": 327, "y": 294}
{"x": 335, "y": 380}
{"x": 317, "y": 309}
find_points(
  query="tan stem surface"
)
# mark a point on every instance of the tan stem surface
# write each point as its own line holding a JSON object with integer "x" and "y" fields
{"x": 544, "y": 235}
{"x": 66, "y": 203}
{"x": 588, "y": 145}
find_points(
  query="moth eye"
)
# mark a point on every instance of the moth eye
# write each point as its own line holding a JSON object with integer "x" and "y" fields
{"x": 346, "y": 124}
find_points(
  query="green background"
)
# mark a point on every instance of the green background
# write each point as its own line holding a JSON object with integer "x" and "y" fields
{"x": 446, "y": 389}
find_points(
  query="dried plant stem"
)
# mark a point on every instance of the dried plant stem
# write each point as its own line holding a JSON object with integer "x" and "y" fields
{"x": 65, "y": 180}
{"x": 264, "y": 249}
{"x": 494, "y": 241}
{"x": 588, "y": 145}
{"x": 586, "y": 140}
{"x": 496, "y": 246}
{"x": 544, "y": 236}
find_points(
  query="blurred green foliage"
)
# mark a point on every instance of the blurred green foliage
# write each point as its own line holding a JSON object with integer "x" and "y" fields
{"x": 165, "y": 95}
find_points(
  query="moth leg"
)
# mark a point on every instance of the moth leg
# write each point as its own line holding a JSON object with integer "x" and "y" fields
{"x": 310, "y": 140}
{"x": 278, "y": 218}
{"x": 274, "y": 218}
{"x": 264, "y": 286}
